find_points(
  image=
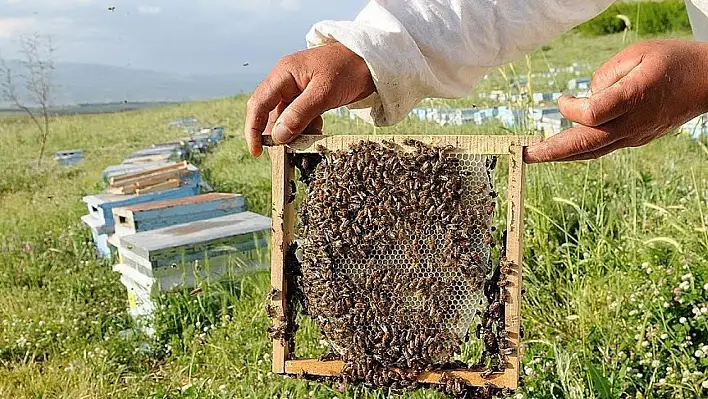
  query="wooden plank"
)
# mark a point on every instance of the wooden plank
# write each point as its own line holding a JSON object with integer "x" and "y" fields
{"x": 334, "y": 368}
{"x": 159, "y": 214}
{"x": 116, "y": 171}
{"x": 146, "y": 178}
{"x": 128, "y": 176}
{"x": 151, "y": 180}
{"x": 472, "y": 144}
{"x": 514, "y": 254}
{"x": 283, "y": 219}
{"x": 172, "y": 183}
{"x": 197, "y": 199}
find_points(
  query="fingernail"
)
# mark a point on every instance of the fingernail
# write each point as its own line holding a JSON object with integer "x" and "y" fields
{"x": 281, "y": 134}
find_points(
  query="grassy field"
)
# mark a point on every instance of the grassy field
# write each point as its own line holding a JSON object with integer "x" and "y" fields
{"x": 616, "y": 269}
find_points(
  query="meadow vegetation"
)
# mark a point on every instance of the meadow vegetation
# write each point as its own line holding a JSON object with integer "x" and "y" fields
{"x": 616, "y": 269}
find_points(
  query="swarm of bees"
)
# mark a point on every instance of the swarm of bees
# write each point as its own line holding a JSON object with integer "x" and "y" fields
{"x": 395, "y": 242}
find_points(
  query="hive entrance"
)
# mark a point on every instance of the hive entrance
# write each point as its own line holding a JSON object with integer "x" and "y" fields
{"x": 393, "y": 242}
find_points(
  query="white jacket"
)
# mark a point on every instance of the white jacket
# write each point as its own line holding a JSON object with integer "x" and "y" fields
{"x": 441, "y": 48}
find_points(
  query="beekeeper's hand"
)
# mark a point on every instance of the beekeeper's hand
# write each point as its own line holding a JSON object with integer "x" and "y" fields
{"x": 300, "y": 88}
{"x": 637, "y": 96}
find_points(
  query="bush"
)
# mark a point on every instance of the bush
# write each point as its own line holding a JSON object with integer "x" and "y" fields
{"x": 647, "y": 18}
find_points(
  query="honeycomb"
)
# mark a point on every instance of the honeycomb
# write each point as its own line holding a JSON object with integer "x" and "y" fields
{"x": 467, "y": 300}
{"x": 395, "y": 250}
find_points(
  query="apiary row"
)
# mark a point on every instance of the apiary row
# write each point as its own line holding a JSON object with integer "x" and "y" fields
{"x": 162, "y": 231}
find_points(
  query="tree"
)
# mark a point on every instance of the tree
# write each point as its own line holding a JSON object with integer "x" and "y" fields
{"x": 31, "y": 89}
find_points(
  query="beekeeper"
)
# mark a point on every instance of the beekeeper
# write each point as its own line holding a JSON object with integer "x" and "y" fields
{"x": 397, "y": 52}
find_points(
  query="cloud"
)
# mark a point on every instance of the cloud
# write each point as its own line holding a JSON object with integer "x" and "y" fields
{"x": 11, "y": 27}
{"x": 149, "y": 9}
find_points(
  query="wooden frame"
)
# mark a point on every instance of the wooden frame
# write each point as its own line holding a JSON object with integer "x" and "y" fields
{"x": 283, "y": 218}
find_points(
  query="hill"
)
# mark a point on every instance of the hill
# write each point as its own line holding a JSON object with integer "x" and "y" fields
{"x": 78, "y": 83}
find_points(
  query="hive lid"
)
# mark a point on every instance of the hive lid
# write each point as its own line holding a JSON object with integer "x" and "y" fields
{"x": 197, "y": 232}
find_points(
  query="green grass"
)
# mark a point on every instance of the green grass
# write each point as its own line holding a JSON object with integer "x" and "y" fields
{"x": 616, "y": 259}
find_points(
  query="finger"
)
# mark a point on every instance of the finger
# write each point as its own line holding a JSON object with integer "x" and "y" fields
{"x": 313, "y": 102}
{"x": 612, "y": 71}
{"x": 619, "y": 144}
{"x": 277, "y": 87}
{"x": 273, "y": 116}
{"x": 604, "y": 106}
{"x": 315, "y": 127}
{"x": 570, "y": 142}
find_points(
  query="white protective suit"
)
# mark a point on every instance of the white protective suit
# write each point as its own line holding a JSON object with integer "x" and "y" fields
{"x": 441, "y": 48}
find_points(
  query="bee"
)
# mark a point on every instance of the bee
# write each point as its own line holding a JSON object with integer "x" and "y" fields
{"x": 487, "y": 373}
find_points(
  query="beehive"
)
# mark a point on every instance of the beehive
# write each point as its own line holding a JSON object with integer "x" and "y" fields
{"x": 471, "y": 153}
{"x": 210, "y": 247}
{"x": 137, "y": 218}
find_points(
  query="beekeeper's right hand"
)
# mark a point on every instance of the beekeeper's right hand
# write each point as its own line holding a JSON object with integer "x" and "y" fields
{"x": 300, "y": 88}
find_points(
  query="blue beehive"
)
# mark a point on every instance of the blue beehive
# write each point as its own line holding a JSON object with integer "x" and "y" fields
{"x": 100, "y": 217}
{"x": 68, "y": 157}
{"x": 133, "y": 219}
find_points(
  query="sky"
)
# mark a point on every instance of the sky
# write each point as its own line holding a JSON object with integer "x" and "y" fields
{"x": 178, "y": 36}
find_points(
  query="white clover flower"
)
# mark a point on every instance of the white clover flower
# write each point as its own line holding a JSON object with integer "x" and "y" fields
{"x": 645, "y": 344}
{"x": 695, "y": 310}
{"x": 655, "y": 363}
{"x": 669, "y": 369}
{"x": 704, "y": 384}
{"x": 682, "y": 320}
{"x": 633, "y": 312}
{"x": 705, "y": 286}
{"x": 649, "y": 270}
{"x": 662, "y": 381}
{"x": 704, "y": 348}
{"x": 637, "y": 337}
{"x": 528, "y": 371}
{"x": 519, "y": 396}
{"x": 697, "y": 373}
{"x": 649, "y": 355}
{"x": 704, "y": 310}
{"x": 667, "y": 305}
{"x": 640, "y": 375}
{"x": 699, "y": 354}
{"x": 645, "y": 265}
{"x": 664, "y": 336}
{"x": 686, "y": 277}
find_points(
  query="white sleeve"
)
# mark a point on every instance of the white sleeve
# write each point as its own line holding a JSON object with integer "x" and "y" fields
{"x": 698, "y": 15}
{"x": 421, "y": 48}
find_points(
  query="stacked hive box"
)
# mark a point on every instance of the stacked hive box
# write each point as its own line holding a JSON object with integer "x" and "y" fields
{"x": 155, "y": 215}
{"x": 100, "y": 217}
{"x": 181, "y": 255}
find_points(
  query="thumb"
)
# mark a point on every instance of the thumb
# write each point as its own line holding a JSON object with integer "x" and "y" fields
{"x": 311, "y": 103}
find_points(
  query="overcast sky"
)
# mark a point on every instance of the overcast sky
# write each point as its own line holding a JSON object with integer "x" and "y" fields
{"x": 184, "y": 36}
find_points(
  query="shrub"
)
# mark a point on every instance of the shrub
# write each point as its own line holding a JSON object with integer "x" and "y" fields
{"x": 647, "y": 18}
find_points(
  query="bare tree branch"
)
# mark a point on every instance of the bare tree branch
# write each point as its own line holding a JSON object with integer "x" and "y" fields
{"x": 37, "y": 61}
